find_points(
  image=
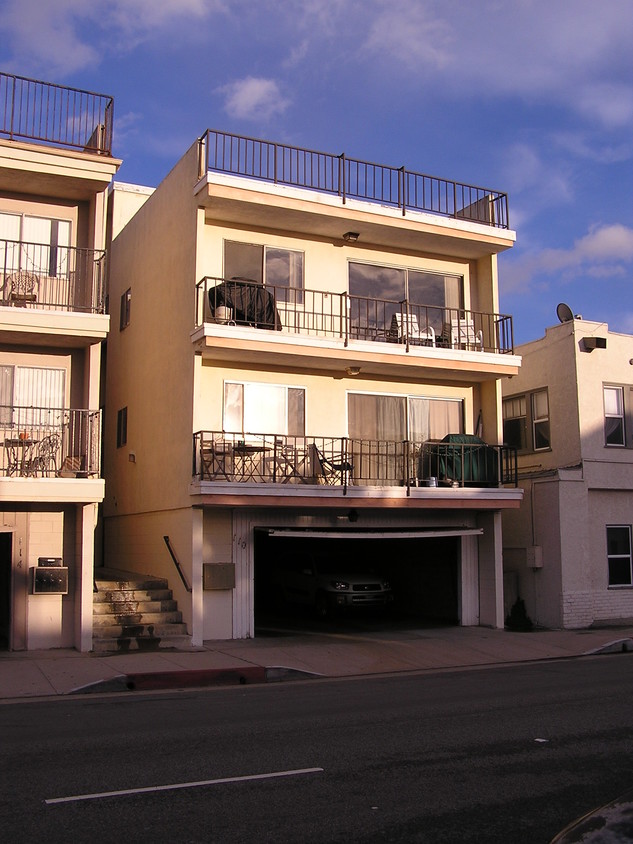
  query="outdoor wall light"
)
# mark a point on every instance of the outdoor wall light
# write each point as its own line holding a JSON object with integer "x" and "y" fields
{"x": 351, "y": 237}
{"x": 132, "y": 457}
{"x": 353, "y": 371}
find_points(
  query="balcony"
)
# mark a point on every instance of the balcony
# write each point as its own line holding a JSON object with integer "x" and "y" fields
{"x": 317, "y": 313}
{"x": 49, "y": 277}
{"x": 245, "y": 321}
{"x": 351, "y": 179}
{"x": 456, "y": 463}
{"x": 43, "y": 442}
{"x": 55, "y": 115}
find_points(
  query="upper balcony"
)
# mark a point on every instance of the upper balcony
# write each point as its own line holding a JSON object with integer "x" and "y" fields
{"x": 241, "y": 320}
{"x": 327, "y": 194}
{"x": 55, "y": 115}
{"x": 54, "y": 141}
{"x": 52, "y": 291}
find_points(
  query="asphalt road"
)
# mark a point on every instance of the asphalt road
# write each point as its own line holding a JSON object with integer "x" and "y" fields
{"x": 496, "y": 755}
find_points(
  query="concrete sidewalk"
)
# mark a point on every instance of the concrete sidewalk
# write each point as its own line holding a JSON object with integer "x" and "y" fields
{"x": 281, "y": 655}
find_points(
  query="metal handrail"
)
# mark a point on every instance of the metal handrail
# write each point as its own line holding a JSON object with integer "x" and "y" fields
{"x": 174, "y": 558}
{"x": 65, "y": 278}
{"x": 320, "y": 313}
{"x": 55, "y": 114}
{"x": 351, "y": 178}
{"x": 257, "y": 458}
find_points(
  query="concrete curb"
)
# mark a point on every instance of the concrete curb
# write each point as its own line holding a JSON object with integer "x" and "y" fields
{"x": 196, "y": 678}
{"x": 617, "y": 646}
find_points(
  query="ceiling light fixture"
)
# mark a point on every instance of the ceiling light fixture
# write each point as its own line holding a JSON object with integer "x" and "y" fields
{"x": 353, "y": 370}
{"x": 351, "y": 237}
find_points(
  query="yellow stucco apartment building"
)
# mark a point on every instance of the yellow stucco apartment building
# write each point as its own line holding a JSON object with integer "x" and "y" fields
{"x": 306, "y": 366}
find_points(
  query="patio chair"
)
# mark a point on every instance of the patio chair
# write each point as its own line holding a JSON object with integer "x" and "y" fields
{"x": 45, "y": 461}
{"x": 461, "y": 334}
{"x": 217, "y": 459}
{"x": 406, "y": 328}
{"x": 331, "y": 471}
{"x": 22, "y": 287}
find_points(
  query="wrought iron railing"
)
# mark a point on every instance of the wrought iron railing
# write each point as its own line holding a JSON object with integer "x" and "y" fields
{"x": 55, "y": 114}
{"x": 340, "y": 461}
{"x": 320, "y": 313}
{"x": 44, "y": 442}
{"x": 38, "y": 275}
{"x": 351, "y": 178}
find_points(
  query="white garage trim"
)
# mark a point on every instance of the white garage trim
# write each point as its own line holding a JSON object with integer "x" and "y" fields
{"x": 370, "y": 534}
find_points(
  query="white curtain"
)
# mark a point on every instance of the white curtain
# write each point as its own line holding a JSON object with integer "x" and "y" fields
{"x": 432, "y": 419}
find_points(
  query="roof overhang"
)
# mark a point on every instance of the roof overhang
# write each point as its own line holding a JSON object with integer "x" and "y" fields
{"x": 253, "y": 204}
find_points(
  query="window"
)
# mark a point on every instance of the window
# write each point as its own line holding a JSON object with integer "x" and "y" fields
{"x": 268, "y": 265}
{"x": 540, "y": 420}
{"x": 398, "y": 418}
{"x": 254, "y": 408}
{"x": 614, "y": 416}
{"x": 395, "y": 284}
{"x": 526, "y": 424}
{"x": 126, "y": 303}
{"x": 121, "y": 427}
{"x": 619, "y": 555}
{"x": 31, "y": 395}
{"x": 39, "y": 244}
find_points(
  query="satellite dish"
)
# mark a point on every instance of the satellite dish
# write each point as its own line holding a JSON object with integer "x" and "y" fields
{"x": 564, "y": 313}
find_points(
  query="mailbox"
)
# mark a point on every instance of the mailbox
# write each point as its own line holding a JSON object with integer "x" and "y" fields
{"x": 50, "y": 580}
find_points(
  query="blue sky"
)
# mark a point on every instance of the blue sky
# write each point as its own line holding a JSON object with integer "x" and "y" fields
{"x": 530, "y": 97}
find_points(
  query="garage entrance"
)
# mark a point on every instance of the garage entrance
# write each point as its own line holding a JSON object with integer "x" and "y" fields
{"x": 422, "y": 573}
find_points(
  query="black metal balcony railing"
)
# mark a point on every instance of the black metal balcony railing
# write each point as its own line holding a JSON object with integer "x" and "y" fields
{"x": 42, "y": 442}
{"x": 351, "y": 178}
{"x": 56, "y": 115}
{"x": 340, "y": 461}
{"x": 37, "y": 275}
{"x": 319, "y": 313}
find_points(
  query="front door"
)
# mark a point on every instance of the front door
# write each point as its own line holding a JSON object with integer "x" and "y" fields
{"x": 5, "y": 590}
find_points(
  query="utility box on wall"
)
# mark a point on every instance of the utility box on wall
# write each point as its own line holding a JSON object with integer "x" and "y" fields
{"x": 218, "y": 576}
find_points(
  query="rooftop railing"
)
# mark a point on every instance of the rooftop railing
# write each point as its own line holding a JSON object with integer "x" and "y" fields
{"x": 343, "y": 462}
{"x": 56, "y": 115}
{"x": 351, "y": 178}
{"x": 318, "y": 313}
{"x": 44, "y": 442}
{"x": 51, "y": 277}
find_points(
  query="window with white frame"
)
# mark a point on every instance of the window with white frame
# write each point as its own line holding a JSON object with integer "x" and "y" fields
{"x": 619, "y": 555}
{"x": 38, "y": 245}
{"x": 396, "y": 418}
{"x": 614, "y": 428}
{"x": 526, "y": 422}
{"x": 31, "y": 395}
{"x": 256, "y": 408}
{"x": 271, "y": 266}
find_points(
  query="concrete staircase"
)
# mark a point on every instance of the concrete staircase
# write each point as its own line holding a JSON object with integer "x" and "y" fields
{"x": 132, "y": 611}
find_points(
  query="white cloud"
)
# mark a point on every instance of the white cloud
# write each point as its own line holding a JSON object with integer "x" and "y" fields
{"x": 574, "y": 54}
{"x": 69, "y": 35}
{"x": 604, "y": 252}
{"x": 253, "y": 99}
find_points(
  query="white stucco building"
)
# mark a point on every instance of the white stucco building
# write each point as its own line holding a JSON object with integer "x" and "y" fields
{"x": 569, "y": 412}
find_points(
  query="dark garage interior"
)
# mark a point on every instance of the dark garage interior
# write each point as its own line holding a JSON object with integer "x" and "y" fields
{"x": 422, "y": 573}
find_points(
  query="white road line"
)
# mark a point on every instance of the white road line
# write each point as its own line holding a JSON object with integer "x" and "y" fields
{"x": 175, "y": 786}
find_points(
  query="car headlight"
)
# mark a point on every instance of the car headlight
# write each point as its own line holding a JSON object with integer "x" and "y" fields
{"x": 340, "y": 585}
